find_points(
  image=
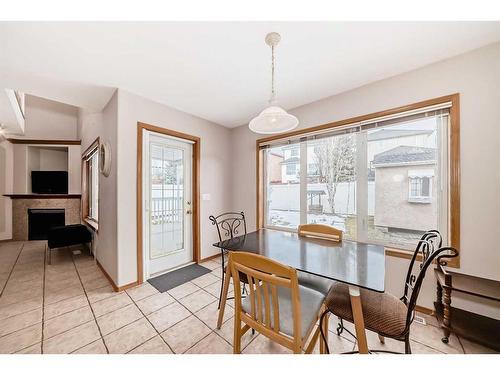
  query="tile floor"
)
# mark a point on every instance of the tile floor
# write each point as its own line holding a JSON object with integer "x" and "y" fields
{"x": 70, "y": 307}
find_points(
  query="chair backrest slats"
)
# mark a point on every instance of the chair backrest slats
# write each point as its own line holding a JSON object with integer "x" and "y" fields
{"x": 264, "y": 277}
{"x": 276, "y": 308}
{"x": 266, "y": 303}
{"x": 322, "y": 231}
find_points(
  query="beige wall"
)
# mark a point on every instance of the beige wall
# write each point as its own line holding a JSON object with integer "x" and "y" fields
{"x": 104, "y": 125}
{"x": 476, "y": 76}
{"x": 6, "y": 186}
{"x": 47, "y": 119}
{"x": 216, "y": 174}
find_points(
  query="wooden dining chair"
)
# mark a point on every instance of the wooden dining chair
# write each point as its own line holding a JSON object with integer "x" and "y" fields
{"x": 229, "y": 225}
{"x": 383, "y": 313}
{"x": 322, "y": 231}
{"x": 277, "y": 306}
{"x": 322, "y": 285}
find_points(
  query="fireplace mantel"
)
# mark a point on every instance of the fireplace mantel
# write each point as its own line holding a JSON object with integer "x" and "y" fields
{"x": 43, "y": 196}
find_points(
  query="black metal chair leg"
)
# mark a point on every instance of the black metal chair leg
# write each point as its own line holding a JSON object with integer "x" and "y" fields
{"x": 323, "y": 333}
{"x": 407, "y": 345}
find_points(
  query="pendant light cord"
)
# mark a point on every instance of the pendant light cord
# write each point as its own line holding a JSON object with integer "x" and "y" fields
{"x": 272, "y": 100}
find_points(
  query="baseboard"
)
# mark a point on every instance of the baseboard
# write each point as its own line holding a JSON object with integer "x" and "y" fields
{"x": 127, "y": 286}
{"x": 115, "y": 287}
{"x": 209, "y": 258}
{"x": 424, "y": 310}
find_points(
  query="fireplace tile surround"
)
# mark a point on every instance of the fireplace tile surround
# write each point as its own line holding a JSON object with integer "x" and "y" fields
{"x": 20, "y": 207}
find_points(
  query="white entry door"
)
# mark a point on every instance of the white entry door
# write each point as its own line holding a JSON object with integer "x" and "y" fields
{"x": 167, "y": 166}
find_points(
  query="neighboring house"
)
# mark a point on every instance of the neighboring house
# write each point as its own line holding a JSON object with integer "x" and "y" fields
{"x": 405, "y": 182}
{"x": 274, "y": 161}
{"x": 290, "y": 166}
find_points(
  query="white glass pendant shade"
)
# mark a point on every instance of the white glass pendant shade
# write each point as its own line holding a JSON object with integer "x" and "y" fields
{"x": 272, "y": 120}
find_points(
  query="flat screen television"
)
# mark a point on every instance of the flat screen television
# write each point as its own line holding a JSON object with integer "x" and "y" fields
{"x": 49, "y": 182}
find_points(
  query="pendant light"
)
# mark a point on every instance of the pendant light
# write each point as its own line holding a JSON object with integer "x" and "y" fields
{"x": 273, "y": 119}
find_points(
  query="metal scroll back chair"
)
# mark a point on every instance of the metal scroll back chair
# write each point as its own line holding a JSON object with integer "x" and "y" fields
{"x": 229, "y": 225}
{"x": 385, "y": 314}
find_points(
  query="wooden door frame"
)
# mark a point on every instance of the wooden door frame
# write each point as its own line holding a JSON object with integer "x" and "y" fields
{"x": 195, "y": 206}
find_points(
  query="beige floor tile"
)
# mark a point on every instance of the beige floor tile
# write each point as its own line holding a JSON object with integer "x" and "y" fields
{"x": 96, "y": 283}
{"x": 214, "y": 289}
{"x": 33, "y": 349}
{"x": 89, "y": 273}
{"x": 96, "y": 347}
{"x": 21, "y": 339}
{"x": 155, "y": 302}
{"x": 183, "y": 290}
{"x": 61, "y": 295}
{"x": 474, "y": 348}
{"x": 217, "y": 273}
{"x": 210, "y": 314}
{"x": 142, "y": 291}
{"x": 72, "y": 340}
{"x": 53, "y": 287}
{"x": 431, "y": 336}
{"x": 111, "y": 304}
{"x": 23, "y": 276}
{"x": 24, "y": 295}
{"x": 65, "y": 322}
{"x": 129, "y": 337}
{"x": 337, "y": 344}
{"x": 167, "y": 316}
{"x": 262, "y": 345}
{"x": 101, "y": 293}
{"x": 20, "y": 307}
{"x": 118, "y": 318}
{"x": 227, "y": 332}
{"x": 65, "y": 306}
{"x": 154, "y": 346}
{"x": 418, "y": 348}
{"x": 15, "y": 287}
{"x": 210, "y": 264}
{"x": 18, "y": 322}
{"x": 197, "y": 300}
{"x": 185, "y": 334}
{"x": 212, "y": 344}
{"x": 205, "y": 280}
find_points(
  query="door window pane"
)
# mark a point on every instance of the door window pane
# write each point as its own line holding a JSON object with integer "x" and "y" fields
{"x": 166, "y": 206}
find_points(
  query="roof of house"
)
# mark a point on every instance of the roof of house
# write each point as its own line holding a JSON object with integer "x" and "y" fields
{"x": 404, "y": 155}
{"x": 387, "y": 133}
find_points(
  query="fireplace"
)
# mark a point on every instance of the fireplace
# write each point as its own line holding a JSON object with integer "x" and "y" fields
{"x": 41, "y": 220}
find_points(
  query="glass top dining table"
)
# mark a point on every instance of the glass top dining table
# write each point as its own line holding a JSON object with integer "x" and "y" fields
{"x": 358, "y": 264}
{"x": 354, "y": 263}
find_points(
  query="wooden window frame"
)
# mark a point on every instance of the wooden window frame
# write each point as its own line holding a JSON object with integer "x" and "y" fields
{"x": 454, "y": 165}
{"x": 85, "y": 196}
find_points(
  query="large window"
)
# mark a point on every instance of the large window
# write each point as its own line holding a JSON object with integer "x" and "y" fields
{"x": 382, "y": 181}
{"x": 90, "y": 183}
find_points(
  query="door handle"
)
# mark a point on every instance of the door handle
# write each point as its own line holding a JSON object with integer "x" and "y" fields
{"x": 189, "y": 212}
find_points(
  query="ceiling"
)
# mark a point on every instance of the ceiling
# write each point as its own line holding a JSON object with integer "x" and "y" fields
{"x": 220, "y": 71}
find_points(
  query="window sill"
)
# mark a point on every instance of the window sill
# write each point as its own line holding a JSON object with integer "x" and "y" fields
{"x": 92, "y": 224}
{"x": 419, "y": 200}
{"x": 407, "y": 254}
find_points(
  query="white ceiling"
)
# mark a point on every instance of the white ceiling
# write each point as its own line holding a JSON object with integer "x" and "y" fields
{"x": 220, "y": 70}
